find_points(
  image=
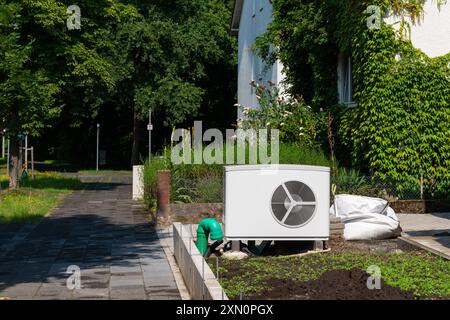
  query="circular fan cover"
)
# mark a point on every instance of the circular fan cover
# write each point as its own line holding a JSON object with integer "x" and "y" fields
{"x": 293, "y": 204}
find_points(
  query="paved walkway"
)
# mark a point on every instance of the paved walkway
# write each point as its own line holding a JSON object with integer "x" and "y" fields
{"x": 101, "y": 231}
{"x": 431, "y": 231}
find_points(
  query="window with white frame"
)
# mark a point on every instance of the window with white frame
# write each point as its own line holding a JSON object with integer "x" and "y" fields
{"x": 345, "y": 85}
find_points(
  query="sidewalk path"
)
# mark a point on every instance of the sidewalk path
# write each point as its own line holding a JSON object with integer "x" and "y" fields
{"x": 101, "y": 231}
{"x": 431, "y": 231}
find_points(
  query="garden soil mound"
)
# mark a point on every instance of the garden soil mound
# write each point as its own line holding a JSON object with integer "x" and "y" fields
{"x": 333, "y": 285}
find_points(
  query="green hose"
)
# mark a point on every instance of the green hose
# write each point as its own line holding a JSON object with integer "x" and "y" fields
{"x": 208, "y": 227}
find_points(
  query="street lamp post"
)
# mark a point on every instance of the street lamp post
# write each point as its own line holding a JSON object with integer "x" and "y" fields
{"x": 98, "y": 142}
{"x": 149, "y": 128}
{"x": 3, "y": 146}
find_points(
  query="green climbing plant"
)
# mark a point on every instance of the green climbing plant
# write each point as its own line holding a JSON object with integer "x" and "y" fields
{"x": 400, "y": 128}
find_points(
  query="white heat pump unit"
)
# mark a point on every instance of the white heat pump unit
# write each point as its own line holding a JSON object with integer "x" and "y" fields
{"x": 277, "y": 202}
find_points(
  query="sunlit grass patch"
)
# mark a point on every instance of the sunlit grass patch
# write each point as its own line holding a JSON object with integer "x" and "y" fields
{"x": 21, "y": 206}
{"x": 36, "y": 197}
{"x": 51, "y": 182}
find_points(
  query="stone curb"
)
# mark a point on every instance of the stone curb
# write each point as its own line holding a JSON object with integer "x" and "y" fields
{"x": 198, "y": 276}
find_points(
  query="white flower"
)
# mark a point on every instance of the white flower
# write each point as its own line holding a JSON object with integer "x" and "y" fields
{"x": 301, "y": 134}
{"x": 237, "y": 105}
{"x": 281, "y": 124}
{"x": 301, "y": 128}
{"x": 267, "y": 124}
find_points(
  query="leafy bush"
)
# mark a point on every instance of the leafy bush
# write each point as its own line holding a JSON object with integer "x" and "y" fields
{"x": 205, "y": 188}
{"x": 150, "y": 176}
{"x": 295, "y": 153}
{"x": 400, "y": 128}
{"x": 290, "y": 115}
{"x": 353, "y": 182}
{"x": 438, "y": 189}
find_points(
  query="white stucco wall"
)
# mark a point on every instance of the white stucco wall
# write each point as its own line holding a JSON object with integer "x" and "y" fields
{"x": 256, "y": 15}
{"x": 432, "y": 35}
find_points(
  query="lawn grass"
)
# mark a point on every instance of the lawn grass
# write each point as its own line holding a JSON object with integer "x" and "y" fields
{"x": 36, "y": 197}
{"x": 425, "y": 275}
{"x": 103, "y": 171}
{"x": 50, "y": 182}
{"x": 25, "y": 206}
{"x": 3, "y": 165}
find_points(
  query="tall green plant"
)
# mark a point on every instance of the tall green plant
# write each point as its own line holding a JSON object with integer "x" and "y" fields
{"x": 150, "y": 178}
{"x": 293, "y": 118}
{"x": 400, "y": 127}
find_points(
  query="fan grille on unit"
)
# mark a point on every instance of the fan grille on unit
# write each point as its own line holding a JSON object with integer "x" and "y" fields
{"x": 293, "y": 204}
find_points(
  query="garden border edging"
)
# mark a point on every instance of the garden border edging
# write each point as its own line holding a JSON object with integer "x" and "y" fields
{"x": 198, "y": 276}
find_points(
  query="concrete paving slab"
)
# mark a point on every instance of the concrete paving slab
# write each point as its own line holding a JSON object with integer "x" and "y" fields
{"x": 428, "y": 231}
{"x": 98, "y": 229}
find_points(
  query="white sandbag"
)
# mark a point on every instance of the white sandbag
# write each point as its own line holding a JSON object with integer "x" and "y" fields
{"x": 366, "y": 218}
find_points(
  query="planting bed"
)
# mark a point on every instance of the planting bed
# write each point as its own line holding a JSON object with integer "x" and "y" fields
{"x": 335, "y": 285}
{"x": 338, "y": 274}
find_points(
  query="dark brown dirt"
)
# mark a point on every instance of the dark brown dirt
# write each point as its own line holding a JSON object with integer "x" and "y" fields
{"x": 332, "y": 285}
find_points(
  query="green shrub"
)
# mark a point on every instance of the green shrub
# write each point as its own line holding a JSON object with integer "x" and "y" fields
{"x": 295, "y": 153}
{"x": 150, "y": 180}
{"x": 293, "y": 118}
{"x": 201, "y": 189}
{"x": 353, "y": 182}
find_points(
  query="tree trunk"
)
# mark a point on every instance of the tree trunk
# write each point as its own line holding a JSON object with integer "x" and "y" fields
{"x": 135, "y": 150}
{"x": 14, "y": 163}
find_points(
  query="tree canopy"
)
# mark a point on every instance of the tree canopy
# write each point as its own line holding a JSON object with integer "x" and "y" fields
{"x": 127, "y": 58}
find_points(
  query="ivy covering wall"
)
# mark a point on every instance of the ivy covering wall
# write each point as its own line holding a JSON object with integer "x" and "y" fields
{"x": 400, "y": 128}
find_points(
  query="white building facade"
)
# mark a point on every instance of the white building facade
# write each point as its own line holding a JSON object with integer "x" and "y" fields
{"x": 251, "y": 18}
{"x": 432, "y": 34}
